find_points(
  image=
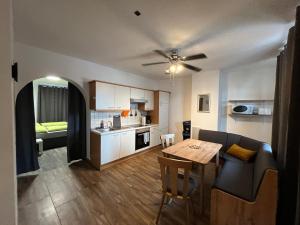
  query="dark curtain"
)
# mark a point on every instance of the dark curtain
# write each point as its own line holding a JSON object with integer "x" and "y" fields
{"x": 286, "y": 127}
{"x": 76, "y": 124}
{"x": 52, "y": 103}
{"x": 26, "y": 153}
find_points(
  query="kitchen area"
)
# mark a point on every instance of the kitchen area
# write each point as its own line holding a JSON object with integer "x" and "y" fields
{"x": 125, "y": 121}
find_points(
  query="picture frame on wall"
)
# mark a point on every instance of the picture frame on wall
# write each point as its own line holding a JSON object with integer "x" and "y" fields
{"x": 203, "y": 103}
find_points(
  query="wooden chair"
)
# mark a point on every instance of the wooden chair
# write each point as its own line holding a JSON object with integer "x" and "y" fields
{"x": 167, "y": 139}
{"x": 174, "y": 184}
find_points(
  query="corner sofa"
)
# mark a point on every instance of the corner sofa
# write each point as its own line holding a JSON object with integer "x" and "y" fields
{"x": 243, "y": 192}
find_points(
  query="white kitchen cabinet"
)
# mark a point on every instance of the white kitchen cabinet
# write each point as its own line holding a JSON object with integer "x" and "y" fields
{"x": 105, "y": 96}
{"x": 127, "y": 143}
{"x": 137, "y": 93}
{"x": 164, "y": 97}
{"x": 149, "y": 97}
{"x": 163, "y": 115}
{"x": 110, "y": 147}
{"x": 122, "y": 97}
{"x": 155, "y": 136}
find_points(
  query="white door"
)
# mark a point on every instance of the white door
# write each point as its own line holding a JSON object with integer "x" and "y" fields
{"x": 122, "y": 98}
{"x": 127, "y": 143}
{"x": 149, "y": 96}
{"x": 110, "y": 147}
{"x": 137, "y": 93}
{"x": 105, "y": 96}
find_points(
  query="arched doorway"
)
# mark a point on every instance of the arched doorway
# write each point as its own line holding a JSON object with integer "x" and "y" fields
{"x": 50, "y": 114}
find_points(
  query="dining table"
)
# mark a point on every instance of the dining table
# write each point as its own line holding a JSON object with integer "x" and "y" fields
{"x": 199, "y": 152}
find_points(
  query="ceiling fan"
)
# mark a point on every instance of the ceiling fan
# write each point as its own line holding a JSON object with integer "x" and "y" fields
{"x": 177, "y": 62}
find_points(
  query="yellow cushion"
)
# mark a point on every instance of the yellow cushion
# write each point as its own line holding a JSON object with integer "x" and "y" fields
{"x": 241, "y": 153}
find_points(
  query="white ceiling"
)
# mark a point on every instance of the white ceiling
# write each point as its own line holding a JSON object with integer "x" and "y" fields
{"x": 229, "y": 32}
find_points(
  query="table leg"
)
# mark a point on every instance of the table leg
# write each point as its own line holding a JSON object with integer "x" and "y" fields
{"x": 201, "y": 186}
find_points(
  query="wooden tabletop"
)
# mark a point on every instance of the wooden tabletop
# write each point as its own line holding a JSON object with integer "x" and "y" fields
{"x": 194, "y": 150}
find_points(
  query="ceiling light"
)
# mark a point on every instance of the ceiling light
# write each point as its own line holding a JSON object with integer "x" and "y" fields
{"x": 53, "y": 78}
{"x": 175, "y": 68}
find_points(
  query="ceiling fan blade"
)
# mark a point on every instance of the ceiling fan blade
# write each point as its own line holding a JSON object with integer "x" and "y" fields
{"x": 162, "y": 54}
{"x": 193, "y": 57}
{"x": 190, "y": 67}
{"x": 155, "y": 63}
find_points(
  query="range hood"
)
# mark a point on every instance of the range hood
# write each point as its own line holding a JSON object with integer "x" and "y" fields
{"x": 138, "y": 100}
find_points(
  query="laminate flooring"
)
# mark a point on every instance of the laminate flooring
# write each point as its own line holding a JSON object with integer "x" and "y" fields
{"x": 125, "y": 193}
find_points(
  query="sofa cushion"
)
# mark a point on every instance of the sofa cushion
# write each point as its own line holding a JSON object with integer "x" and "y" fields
{"x": 240, "y": 152}
{"x": 236, "y": 178}
{"x": 250, "y": 143}
{"x": 214, "y": 136}
{"x": 264, "y": 160}
{"x": 226, "y": 157}
{"x": 232, "y": 139}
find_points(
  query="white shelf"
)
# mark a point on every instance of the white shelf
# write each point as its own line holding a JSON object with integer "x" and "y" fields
{"x": 249, "y": 100}
{"x": 249, "y": 115}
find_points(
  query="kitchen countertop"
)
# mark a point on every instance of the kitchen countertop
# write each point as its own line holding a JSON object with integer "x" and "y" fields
{"x": 123, "y": 129}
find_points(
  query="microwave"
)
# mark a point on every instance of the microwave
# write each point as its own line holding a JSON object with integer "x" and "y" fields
{"x": 243, "y": 109}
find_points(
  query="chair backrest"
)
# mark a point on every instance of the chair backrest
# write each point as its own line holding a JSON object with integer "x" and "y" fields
{"x": 167, "y": 139}
{"x": 169, "y": 175}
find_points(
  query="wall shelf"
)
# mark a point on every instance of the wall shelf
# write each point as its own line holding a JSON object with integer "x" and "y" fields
{"x": 249, "y": 100}
{"x": 249, "y": 115}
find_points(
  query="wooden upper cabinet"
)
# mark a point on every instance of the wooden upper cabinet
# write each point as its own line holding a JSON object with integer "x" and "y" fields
{"x": 137, "y": 93}
{"x": 105, "y": 97}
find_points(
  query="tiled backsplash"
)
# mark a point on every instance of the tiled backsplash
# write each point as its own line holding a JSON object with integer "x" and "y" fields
{"x": 97, "y": 117}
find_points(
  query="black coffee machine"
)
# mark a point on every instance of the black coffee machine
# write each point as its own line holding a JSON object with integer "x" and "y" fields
{"x": 186, "y": 133}
{"x": 148, "y": 119}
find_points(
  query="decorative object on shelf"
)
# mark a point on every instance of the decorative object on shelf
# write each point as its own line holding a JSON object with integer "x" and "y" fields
{"x": 204, "y": 103}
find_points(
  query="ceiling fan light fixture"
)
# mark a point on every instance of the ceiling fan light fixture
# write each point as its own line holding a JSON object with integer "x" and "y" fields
{"x": 175, "y": 68}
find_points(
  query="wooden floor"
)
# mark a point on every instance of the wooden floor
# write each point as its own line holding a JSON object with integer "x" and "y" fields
{"x": 126, "y": 193}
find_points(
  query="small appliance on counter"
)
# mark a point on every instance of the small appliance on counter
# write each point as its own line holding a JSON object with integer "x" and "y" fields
{"x": 148, "y": 119}
{"x": 117, "y": 122}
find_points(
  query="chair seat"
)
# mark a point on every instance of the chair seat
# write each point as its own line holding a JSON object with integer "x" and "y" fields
{"x": 192, "y": 184}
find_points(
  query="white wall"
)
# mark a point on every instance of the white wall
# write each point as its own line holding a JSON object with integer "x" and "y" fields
{"x": 36, "y": 63}
{"x": 252, "y": 82}
{"x": 8, "y": 192}
{"x": 180, "y": 102}
{"x": 205, "y": 82}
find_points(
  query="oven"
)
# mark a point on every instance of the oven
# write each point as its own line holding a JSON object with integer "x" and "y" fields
{"x": 142, "y": 138}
